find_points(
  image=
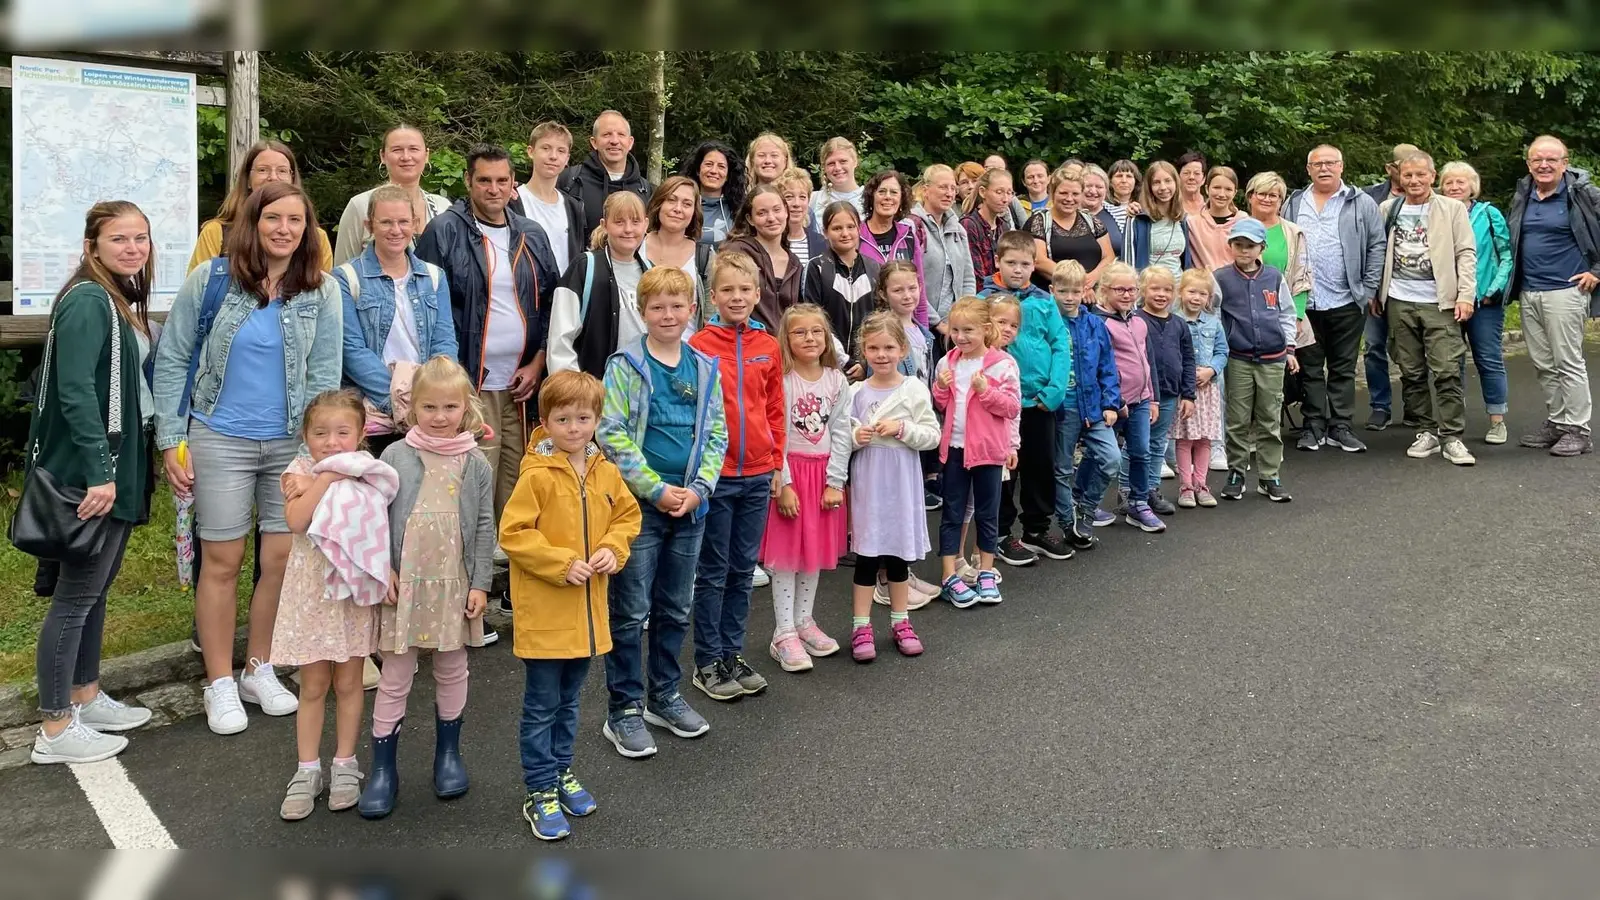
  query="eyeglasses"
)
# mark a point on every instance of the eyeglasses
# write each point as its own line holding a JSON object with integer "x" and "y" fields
{"x": 1327, "y": 164}
{"x": 1123, "y": 290}
{"x": 1546, "y": 160}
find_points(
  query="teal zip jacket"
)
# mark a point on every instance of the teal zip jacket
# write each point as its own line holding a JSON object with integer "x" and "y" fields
{"x": 1494, "y": 250}
{"x": 1043, "y": 348}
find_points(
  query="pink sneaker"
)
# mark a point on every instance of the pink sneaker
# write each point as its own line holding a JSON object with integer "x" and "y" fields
{"x": 862, "y": 648}
{"x": 816, "y": 642}
{"x": 905, "y": 639}
{"x": 789, "y": 652}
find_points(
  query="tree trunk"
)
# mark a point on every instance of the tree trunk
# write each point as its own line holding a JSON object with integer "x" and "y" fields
{"x": 658, "y": 114}
{"x": 244, "y": 106}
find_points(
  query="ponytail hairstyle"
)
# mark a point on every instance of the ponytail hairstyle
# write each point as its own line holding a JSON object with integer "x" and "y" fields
{"x": 887, "y": 323}
{"x": 976, "y": 311}
{"x": 984, "y": 182}
{"x": 443, "y": 374}
{"x": 928, "y": 175}
{"x": 765, "y": 137}
{"x": 743, "y": 226}
{"x": 129, "y": 294}
{"x": 620, "y": 205}
{"x": 880, "y": 291}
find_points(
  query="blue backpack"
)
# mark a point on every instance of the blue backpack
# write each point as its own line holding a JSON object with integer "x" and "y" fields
{"x": 211, "y": 301}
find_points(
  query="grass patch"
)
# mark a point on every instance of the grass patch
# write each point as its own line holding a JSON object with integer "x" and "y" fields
{"x": 1514, "y": 317}
{"x": 145, "y": 609}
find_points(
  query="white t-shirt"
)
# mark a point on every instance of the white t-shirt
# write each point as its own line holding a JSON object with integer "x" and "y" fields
{"x": 552, "y": 217}
{"x": 962, "y": 387}
{"x": 1411, "y": 276}
{"x": 506, "y": 330}
{"x": 630, "y": 325}
{"x": 801, "y": 248}
{"x": 402, "y": 343}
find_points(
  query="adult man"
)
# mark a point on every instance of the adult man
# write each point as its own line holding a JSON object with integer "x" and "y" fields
{"x": 1377, "y": 333}
{"x": 1344, "y": 242}
{"x": 608, "y": 169}
{"x": 1430, "y": 283}
{"x": 1555, "y": 270}
{"x": 994, "y": 161}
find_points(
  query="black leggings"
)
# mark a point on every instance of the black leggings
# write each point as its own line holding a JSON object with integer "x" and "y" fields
{"x": 894, "y": 567}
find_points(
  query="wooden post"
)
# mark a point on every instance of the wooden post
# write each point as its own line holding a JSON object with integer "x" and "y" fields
{"x": 658, "y": 111}
{"x": 244, "y": 106}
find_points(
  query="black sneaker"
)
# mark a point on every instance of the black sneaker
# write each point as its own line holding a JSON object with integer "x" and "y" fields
{"x": 1081, "y": 534}
{"x": 490, "y": 635}
{"x": 716, "y": 683}
{"x": 1047, "y": 544}
{"x": 1013, "y": 553}
{"x": 931, "y": 501}
{"x": 1234, "y": 489}
{"x": 1311, "y": 438}
{"x": 1379, "y": 420}
{"x": 1160, "y": 505}
{"x": 1343, "y": 437}
{"x": 1272, "y": 489}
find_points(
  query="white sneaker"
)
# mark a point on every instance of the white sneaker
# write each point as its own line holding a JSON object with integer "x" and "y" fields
{"x": 1219, "y": 457}
{"x": 922, "y": 593}
{"x": 760, "y": 578}
{"x": 106, "y": 715}
{"x": 1166, "y": 470}
{"x": 224, "y": 713}
{"x": 1424, "y": 446}
{"x": 915, "y": 599}
{"x": 1457, "y": 453}
{"x": 261, "y": 687}
{"x": 78, "y": 743}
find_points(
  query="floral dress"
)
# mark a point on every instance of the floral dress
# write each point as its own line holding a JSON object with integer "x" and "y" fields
{"x": 431, "y": 606}
{"x": 311, "y": 626}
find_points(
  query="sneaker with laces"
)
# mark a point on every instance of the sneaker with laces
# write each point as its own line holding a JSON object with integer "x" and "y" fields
{"x": 959, "y": 593}
{"x": 1343, "y": 437}
{"x": 905, "y": 638}
{"x": 107, "y": 715}
{"x": 1204, "y": 498}
{"x": 1047, "y": 544}
{"x": 1102, "y": 518}
{"x": 224, "y": 713}
{"x": 542, "y": 811}
{"x": 1456, "y": 453}
{"x": 760, "y": 578}
{"x": 1234, "y": 489}
{"x": 1311, "y": 438}
{"x": 261, "y": 687}
{"x": 922, "y": 593}
{"x": 1013, "y": 553}
{"x": 676, "y": 715}
{"x": 1574, "y": 441}
{"x": 626, "y": 731}
{"x": 965, "y": 571}
{"x": 574, "y": 797}
{"x": 1272, "y": 489}
{"x": 815, "y": 640}
{"x": 1186, "y": 498}
{"x": 1379, "y": 420}
{"x": 1080, "y": 533}
{"x": 1142, "y": 517}
{"x": 301, "y": 798}
{"x": 749, "y": 681}
{"x": 1219, "y": 457}
{"x": 1544, "y": 438}
{"x": 344, "y": 786}
{"x": 1424, "y": 446}
{"x": 714, "y": 681}
{"x": 1497, "y": 433}
{"x": 863, "y": 646}
{"x": 988, "y": 587}
{"x": 76, "y": 744}
{"x": 788, "y": 653}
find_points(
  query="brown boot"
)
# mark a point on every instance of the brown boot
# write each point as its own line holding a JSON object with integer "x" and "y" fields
{"x": 1544, "y": 438}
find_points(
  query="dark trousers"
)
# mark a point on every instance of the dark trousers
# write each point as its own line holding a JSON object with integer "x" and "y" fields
{"x": 549, "y": 718}
{"x": 982, "y": 484}
{"x": 68, "y": 654}
{"x": 1035, "y": 477}
{"x": 734, "y": 524}
{"x": 895, "y": 569}
{"x": 1330, "y": 396}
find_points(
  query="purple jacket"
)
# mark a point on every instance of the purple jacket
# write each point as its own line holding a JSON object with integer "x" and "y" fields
{"x": 907, "y": 245}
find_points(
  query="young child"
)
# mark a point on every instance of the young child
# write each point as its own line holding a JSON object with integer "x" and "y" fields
{"x": 329, "y": 631}
{"x": 1087, "y": 415}
{"x": 593, "y": 311}
{"x": 842, "y": 281}
{"x": 1119, "y": 286}
{"x": 752, "y": 393}
{"x": 1172, "y": 352}
{"x": 838, "y": 160}
{"x": 441, "y": 546}
{"x": 663, "y": 427}
{"x": 892, "y": 421}
{"x": 1257, "y": 313}
{"x": 1007, "y": 315}
{"x": 977, "y": 387}
{"x": 807, "y": 527}
{"x": 1196, "y": 434}
{"x": 899, "y": 291}
{"x": 566, "y": 528}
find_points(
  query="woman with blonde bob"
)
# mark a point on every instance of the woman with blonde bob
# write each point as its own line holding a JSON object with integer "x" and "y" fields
{"x": 1067, "y": 231}
{"x": 768, "y": 157}
{"x": 1459, "y": 181}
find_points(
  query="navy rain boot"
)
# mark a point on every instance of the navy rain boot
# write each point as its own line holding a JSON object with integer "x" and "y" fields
{"x": 383, "y": 779}
{"x": 449, "y": 772}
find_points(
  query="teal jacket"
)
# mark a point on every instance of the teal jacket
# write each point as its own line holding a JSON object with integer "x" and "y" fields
{"x": 1043, "y": 348}
{"x": 1494, "y": 251}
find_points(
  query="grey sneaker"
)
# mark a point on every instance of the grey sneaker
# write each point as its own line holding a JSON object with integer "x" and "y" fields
{"x": 1344, "y": 438}
{"x": 107, "y": 715}
{"x": 1456, "y": 452}
{"x": 676, "y": 715}
{"x": 1424, "y": 446}
{"x": 715, "y": 682}
{"x": 625, "y": 730}
{"x": 304, "y": 789}
{"x": 1544, "y": 438}
{"x": 344, "y": 786}
{"x": 1311, "y": 439}
{"x": 1575, "y": 441}
{"x": 748, "y": 679}
{"x": 77, "y": 744}
{"x": 1497, "y": 433}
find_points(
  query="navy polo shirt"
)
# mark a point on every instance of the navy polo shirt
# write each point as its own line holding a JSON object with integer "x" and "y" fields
{"x": 1550, "y": 254}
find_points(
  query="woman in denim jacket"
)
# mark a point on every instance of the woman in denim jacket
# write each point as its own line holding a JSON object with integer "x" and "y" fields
{"x": 273, "y": 343}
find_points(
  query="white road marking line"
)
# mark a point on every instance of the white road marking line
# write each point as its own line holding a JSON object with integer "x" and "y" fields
{"x": 127, "y": 818}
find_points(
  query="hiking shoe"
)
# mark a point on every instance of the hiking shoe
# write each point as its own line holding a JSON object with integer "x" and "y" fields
{"x": 815, "y": 640}
{"x": 1272, "y": 489}
{"x": 921, "y": 592}
{"x": 344, "y": 786}
{"x": 1497, "y": 433}
{"x": 1012, "y": 553}
{"x": 1234, "y": 489}
{"x": 626, "y": 732}
{"x": 1166, "y": 471}
{"x": 714, "y": 681}
{"x": 76, "y": 744}
{"x": 676, "y": 715}
{"x": 749, "y": 681}
{"x": 301, "y": 798}
{"x": 1379, "y": 420}
{"x": 1544, "y": 438}
{"x": 1456, "y": 453}
{"x": 1219, "y": 457}
{"x": 1311, "y": 438}
{"x": 1344, "y": 438}
{"x": 542, "y": 811}
{"x": 1142, "y": 517}
{"x": 966, "y": 571}
{"x": 1161, "y": 505}
{"x": 959, "y": 593}
{"x": 905, "y": 639}
{"x": 575, "y": 799}
{"x": 931, "y": 501}
{"x": 788, "y": 652}
{"x": 1186, "y": 498}
{"x": 1102, "y": 518}
{"x": 224, "y": 713}
{"x": 1047, "y": 544}
{"x": 989, "y": 587}
{"x": 108, "y": 716}
{"x": 1575, "y": 441}
{"x": 1204, "y": 497}
{"x": 262, "y": 688}
{"x": 863, "y": 647}
{"x": 1424, "y": 446}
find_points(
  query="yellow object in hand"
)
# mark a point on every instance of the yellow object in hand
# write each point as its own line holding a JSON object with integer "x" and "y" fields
{"x": 183, "y": 453}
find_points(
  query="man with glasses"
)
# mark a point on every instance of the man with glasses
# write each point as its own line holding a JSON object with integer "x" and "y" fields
{"x": 1555, "y": 270}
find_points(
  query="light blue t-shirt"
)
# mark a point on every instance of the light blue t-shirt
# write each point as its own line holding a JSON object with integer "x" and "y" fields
{"x": 669, "y": 437}
{"x": 254, "y": 402}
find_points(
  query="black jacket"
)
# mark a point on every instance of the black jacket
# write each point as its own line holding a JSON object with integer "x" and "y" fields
{"x": 453, "y": 242}
{"x": 591, "y": 184}
{"x": 1172, "y": 351}
{"x": 1583, "y": 213}
{"x": 577, "y": 238}
{"x": 845, "y": 294}
{"x": 595, "y": 337}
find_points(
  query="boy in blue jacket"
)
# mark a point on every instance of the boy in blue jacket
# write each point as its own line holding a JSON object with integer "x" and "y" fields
{"x": 1093, "y": 398}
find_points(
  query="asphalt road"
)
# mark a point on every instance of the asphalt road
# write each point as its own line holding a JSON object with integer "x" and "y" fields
{"x": 1404, "y": 656}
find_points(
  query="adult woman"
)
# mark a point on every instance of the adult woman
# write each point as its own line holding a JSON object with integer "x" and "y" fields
{"x": 1123, "y": 191}
{"x": 673, "y": 219}
{"x": 720, "y": 174}
{"x": 967, "y": 175}
{"x": 987, "y": 216}
{"x": 758, "y": 232}
{"x": 83, "y": 390}
{"x": 274, "y": 343}
{"x": 1191, "y": 182}
{"x": 888, "y": 234}
{"x": 1157, "y": 235}
{"x": 1286, "y": 242}
{"x": 946, "y": 258}
{"x": 1208, "y": 229}
{"x": 404, "y": 157}
{"x": 381, "y": 332}
{"x": 767, "y": 158}
{"x": 1066, "y": 231}
{"x": 1459, "y": 181}
{"x": 1096, "y": 187}
{"x": 265, "y": 162}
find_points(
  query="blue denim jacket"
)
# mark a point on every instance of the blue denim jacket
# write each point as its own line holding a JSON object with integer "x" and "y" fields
{"x": 368, "y": 317}
{"x": 312, "y": 339}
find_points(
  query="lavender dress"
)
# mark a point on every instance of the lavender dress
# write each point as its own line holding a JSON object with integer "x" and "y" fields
{"x": 886, "y": 514}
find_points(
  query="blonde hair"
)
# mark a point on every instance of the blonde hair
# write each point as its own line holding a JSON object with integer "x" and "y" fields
{"x": 1113, "y": 272}
{"x": 669, "y": 280}
{"x": 1069, "y": 275}
{"x": 1063, "y": 175}
{"x": 793, "y": 175}
{"x": 1465, "y": 170}
{"x": 443, "y": 374}
{"x": 1200, "y": 278}
{"x": 391, "y": 193}
{"x": 1266, "y": 183}
{"x": 977, "y": 311}
{"x": 549, "y": 129}
{"x": 571, "y": 388}
{"x": 750, "y": 155}
{"x": 998, "y": 302}
{"x": 830, "y": 356}
{"x": 338, "y": 400}
{"x": 622, "y": 204}
{"x": 834, "y": 145}
{"x": 737, "y": 262}
{"x": 928, "y": 175}
{"x": 1150, "y": 276}
{"x": 880, "y": 291}
{"x": 884, "y": 322}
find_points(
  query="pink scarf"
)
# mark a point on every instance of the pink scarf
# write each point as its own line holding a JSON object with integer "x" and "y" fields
{"x": 451, "y": 446}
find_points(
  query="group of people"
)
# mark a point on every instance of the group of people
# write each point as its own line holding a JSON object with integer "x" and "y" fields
{"x": 641, "y": 397}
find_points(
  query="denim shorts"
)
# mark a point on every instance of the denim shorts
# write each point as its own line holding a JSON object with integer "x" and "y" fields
{"x": 235, "y": 476}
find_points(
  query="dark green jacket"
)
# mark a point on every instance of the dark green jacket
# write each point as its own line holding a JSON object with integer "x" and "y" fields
{"x": 71, "y": 424}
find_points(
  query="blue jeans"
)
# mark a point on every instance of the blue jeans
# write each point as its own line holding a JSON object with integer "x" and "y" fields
{"x": 1134, "y": 429}
{"x": 549, "y": 718}
{"x": 1159, "y": 430}
{"x": 1377, "y": 362}
{"x": 656, "y": 584}
{"x": 982, "y": 483}
{"x": 1101, "y": 463}
{"x": 1485, "y": 332}
{"x": 734, "y": 525}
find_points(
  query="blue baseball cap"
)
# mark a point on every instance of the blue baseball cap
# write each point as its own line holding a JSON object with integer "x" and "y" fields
{"x": 1249, "y": 229}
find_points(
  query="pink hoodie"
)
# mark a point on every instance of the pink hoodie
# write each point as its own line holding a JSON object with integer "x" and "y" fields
{"x": 989, "y": 414}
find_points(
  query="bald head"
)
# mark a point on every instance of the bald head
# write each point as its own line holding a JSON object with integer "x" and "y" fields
{"x": 612, "y": 139}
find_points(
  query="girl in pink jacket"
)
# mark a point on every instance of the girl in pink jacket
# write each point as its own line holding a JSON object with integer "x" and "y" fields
{"x": 978, "y": 387}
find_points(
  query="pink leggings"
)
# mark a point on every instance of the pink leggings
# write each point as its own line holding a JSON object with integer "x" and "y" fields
{"x": 394, "y": 686}
{"x": 1194, "y": 459}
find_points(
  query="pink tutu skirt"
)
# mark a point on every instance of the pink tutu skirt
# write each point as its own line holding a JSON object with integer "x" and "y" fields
{"x": 813, "y": 540}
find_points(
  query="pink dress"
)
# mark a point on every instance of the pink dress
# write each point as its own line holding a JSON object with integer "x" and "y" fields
{"x": 311, "y": 627}
{"x": 818, "y": 440}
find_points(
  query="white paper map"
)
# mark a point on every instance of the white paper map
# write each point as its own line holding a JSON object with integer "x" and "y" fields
{"x": 85, "y": 132}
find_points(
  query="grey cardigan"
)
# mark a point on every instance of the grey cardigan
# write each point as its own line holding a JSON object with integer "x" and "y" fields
{"x": 946, "y": 262}
{"x": 477, "y": 510}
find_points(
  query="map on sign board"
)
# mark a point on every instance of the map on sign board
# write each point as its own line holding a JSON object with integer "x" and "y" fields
{"x": 82, "y": 133}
